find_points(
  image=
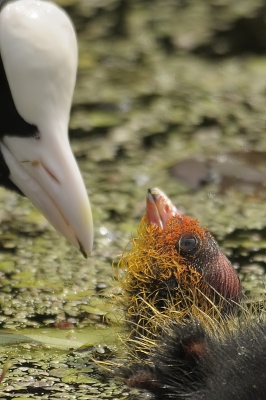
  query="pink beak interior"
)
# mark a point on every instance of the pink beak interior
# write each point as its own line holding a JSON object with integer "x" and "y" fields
{"x": 159, "y": 208}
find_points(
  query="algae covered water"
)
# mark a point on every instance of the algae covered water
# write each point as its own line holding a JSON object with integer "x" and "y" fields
{"x": 169, "y": 95}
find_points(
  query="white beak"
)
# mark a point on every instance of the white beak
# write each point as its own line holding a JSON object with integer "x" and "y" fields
{"x": 50, "y": 178}
{"x": 39, "y": 52}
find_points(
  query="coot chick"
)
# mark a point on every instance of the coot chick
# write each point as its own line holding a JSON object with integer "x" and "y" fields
{"x": 174, "y": 270}
{"x": 192, "y": 362}
{"x": 206, "y": 352}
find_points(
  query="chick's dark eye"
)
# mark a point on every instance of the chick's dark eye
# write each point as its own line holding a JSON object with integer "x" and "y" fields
{"x": 188, "y": 242}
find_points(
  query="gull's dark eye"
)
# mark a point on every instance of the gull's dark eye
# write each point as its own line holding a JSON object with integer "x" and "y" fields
{"x": 188, "y": 242}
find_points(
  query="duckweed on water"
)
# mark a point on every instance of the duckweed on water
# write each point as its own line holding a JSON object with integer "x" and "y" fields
{"x": 151, "y": 92}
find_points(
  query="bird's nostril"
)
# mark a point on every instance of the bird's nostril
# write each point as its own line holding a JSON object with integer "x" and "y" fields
{"x": 35, "y": 163}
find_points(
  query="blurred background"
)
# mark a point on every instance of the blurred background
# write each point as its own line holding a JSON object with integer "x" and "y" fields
{"x": 173, "y": 94}
{"x": 170, "y": 94}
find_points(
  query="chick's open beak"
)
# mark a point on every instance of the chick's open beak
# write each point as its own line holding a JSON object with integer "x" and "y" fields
{"x": 159, "y": 208}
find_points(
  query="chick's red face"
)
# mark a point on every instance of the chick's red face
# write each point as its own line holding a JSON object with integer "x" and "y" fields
{"x": 182, "y": 240}
{"x": 175, "y": 231}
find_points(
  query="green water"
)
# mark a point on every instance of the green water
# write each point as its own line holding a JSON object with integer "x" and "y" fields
{"x": 158, "y": 83}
